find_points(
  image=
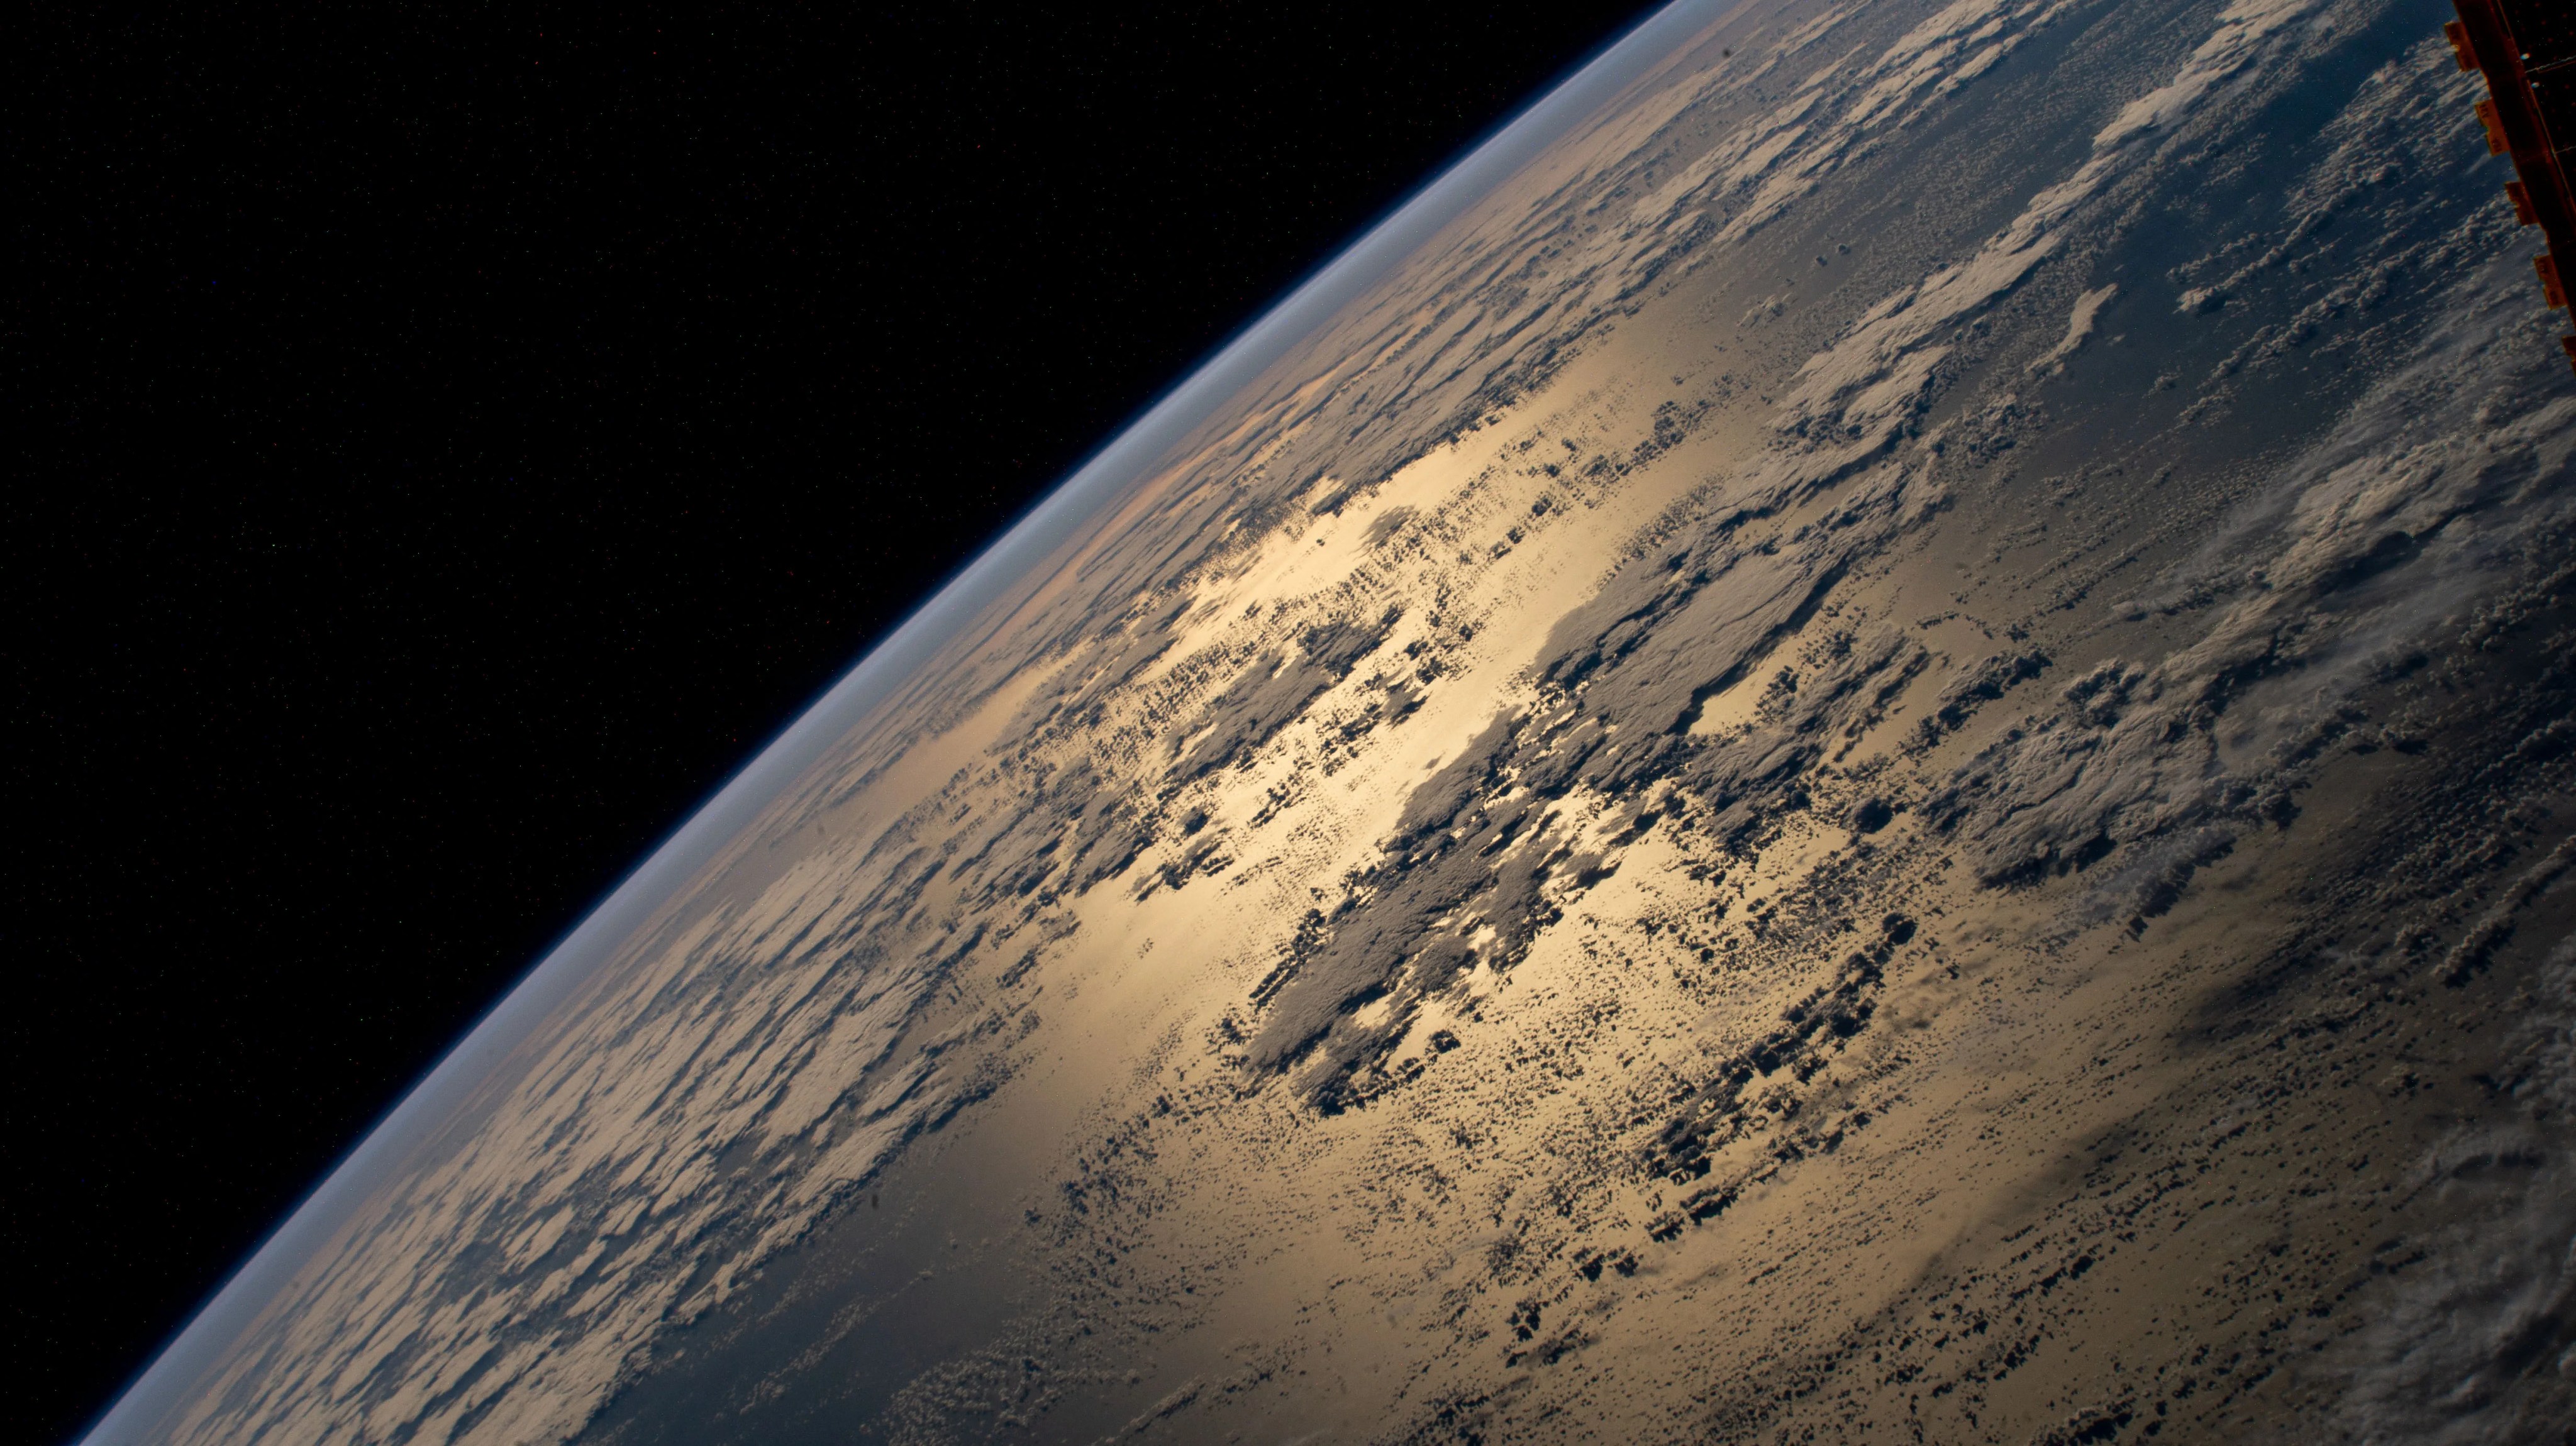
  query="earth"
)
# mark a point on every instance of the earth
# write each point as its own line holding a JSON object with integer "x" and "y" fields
{"x": 1869, "y": 738}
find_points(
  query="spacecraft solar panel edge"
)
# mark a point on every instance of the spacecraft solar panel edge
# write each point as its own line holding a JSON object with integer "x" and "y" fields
{"x": 2527, "y": 51}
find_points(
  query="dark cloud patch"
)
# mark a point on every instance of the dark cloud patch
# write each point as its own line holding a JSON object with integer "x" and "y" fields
{"x": 1276, "y": 690}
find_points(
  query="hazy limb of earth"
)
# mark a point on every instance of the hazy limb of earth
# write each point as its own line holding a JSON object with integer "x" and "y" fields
{"x": 1868, "y": 740}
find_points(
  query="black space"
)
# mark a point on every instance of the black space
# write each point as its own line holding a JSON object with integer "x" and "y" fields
{"x": 448, "y": 438}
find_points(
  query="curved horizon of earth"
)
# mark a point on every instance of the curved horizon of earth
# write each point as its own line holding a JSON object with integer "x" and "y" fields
{"x": 1867, "y": 737}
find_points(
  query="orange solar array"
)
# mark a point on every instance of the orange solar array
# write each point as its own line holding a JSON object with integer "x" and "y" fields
{"x": 2527, "y": 48}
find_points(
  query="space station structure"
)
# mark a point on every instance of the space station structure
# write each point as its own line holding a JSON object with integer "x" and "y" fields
{"x": 2527, "y": 49}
